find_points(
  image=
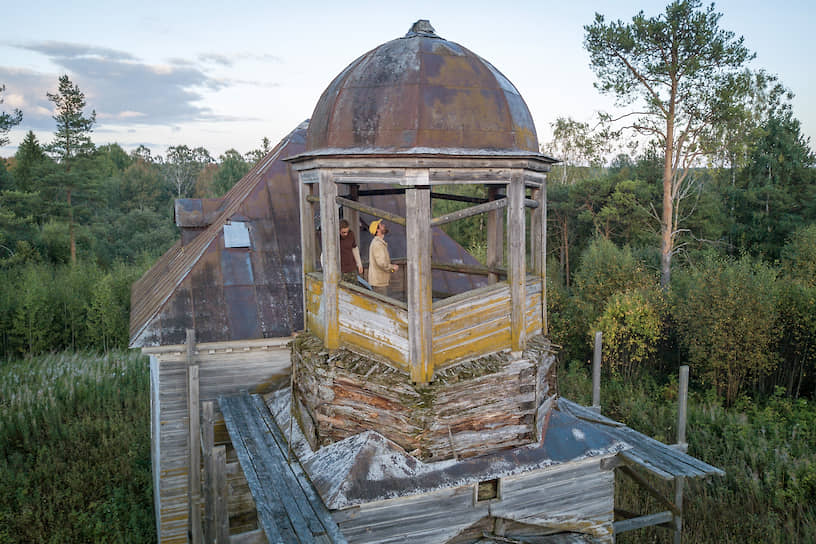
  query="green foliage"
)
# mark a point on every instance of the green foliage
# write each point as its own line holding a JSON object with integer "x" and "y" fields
{"x": 726, "y": 313}
{"x": 8, "y": 120}
{"x": 73, "y": 126}
{"x": 632, "y": 328}
{"x": 75, "y": 449}
{"x": 606, "y": 269}
{"x": 183, "y": 166}
{"x": 767, "y": 450}
{"x": 231, "y": 168}
{"x": 471, "y": 231}
{"x": 45, "y": 308}
{"x": 777, "y": 188}
{"x": 799, "y": 256}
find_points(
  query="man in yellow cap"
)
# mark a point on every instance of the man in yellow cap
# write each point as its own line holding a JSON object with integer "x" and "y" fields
{"x": 380, "y": 266}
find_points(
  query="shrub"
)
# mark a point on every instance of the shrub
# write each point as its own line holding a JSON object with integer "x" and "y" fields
{"x": 631, "y": 327}
{"x": 726, "y": 314}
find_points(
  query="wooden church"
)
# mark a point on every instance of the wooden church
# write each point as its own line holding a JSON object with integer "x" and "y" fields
{"x": 289, "y": 405}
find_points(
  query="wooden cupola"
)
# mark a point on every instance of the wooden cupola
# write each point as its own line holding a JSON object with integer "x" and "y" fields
{"x": 416, "y": 117}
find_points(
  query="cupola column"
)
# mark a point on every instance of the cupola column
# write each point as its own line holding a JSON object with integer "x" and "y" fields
{"x": 420, "y": 298}
{"x": 330, "y": 237}
{"x": 516, "y": 265}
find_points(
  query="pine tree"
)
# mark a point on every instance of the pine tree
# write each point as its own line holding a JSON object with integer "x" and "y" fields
{"x": 8, "y": 120}
{"x": 71, "y": 142}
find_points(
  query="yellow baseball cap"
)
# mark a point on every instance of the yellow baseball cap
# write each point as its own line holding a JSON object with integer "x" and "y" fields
{"x": 372, "y": 228}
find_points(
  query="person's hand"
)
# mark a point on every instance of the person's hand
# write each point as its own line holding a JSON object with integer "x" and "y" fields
{"x": 396, "y": 267}
{"x": 360, "y": 270}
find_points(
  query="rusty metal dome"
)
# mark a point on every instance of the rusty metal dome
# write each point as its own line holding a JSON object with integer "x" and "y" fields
{"x": 421, "y": 93}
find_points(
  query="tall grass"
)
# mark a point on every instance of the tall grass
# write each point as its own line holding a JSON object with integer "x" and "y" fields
{"x": 75, "y": 449}
{"x": 767, "y": 450}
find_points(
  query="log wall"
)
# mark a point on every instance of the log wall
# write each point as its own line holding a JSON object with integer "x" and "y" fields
{"x": 342, "y": 393}
{"x": 224, "y": 368}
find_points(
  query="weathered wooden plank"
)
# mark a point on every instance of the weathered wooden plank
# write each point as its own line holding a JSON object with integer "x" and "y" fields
{"x": 220, "y": 492}
{"x": 431, "y": 517}
{"x": 207, "y": 444}
{"x": 329, "y": 231}
{"x": 650, "y": 520}
{"x": 307, "y": 233}
{"x": 194, "y": 441}
{"x": 316, "y": 503}
{"x": 270, "y": 514}
{"x": 469, "y": 212}
{"x": 250, "y": 537}
{"x": 370, "y": 210}
{"x": 273, "y": 474}
{"x": 516, "y": 260}
{"x": 418, "y": 239}
{"x": 495, "y": 236}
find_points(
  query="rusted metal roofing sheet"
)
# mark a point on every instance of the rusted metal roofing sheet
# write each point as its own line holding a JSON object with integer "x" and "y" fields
{"x": 656, "y": 457}
{"x": 421, "y": 91}
{"x": 229, "y": 293}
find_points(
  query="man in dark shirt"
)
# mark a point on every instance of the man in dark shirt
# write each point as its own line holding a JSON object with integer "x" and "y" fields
{"x": 350, "y": 263}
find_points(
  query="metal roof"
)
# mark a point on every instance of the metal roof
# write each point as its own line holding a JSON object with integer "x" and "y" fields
{"x": 422, "y": 92}
{"x": 656, "y": 457}
{"x": 229, "y": 293}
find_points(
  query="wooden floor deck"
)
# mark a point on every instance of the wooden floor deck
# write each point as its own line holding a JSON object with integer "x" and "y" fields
{"x": 289, "y": 508}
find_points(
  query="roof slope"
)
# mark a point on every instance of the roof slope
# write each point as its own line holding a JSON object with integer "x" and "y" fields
{"x": 231, "y": 293}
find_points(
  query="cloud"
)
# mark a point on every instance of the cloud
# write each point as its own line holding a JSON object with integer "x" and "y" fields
{"x": 121, "y": 88}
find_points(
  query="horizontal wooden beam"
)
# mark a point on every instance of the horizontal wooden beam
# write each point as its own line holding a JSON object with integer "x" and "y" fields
{"x": 466, "y": 269}
{"x": 459, "y": 198}
{"x": 468, "y": 212}
{"x": 370, "y": 210}
{"x": 661, "y": 519}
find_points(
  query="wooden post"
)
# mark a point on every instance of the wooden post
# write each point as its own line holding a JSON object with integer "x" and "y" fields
{"x": 679, "y": 481}
{"x": 207, "y": 444}
{"x": 538, "y": 232}
{"x": 542, "y": 204}
{"x": 329, "y": 232}
{"x": 495, "y": 236}
{"x": 222, "y": 534}
{"x": 353, "y": 216}
{"x": 678, "y": 502}
{"x": 682, "y": 407}
{"x": 194, "y": 458}
{"x": 517, "y": 243}
{"x": 418, "y": 235}
{"x": 596, "y": 373}
{"x": 307, "y": 232}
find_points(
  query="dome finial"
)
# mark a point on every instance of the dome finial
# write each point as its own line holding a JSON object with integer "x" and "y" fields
{"x": 421, "y": 28}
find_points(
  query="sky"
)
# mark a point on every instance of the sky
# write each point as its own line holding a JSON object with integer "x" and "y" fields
{"x": 225, "y": 75}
